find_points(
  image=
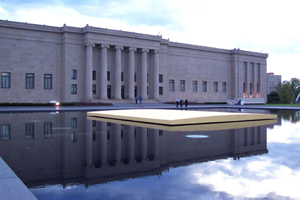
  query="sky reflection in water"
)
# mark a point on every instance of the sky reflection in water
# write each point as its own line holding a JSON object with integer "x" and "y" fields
{"x": 271, "y": 176}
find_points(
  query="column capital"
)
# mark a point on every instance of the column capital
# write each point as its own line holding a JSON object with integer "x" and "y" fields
{"x": 88, "y": 44}
{"x": 145, "y": 50}
{"x": 156, "y": 51}
{"x": 119, "y": 47}
{"x": 102, "y": 46}
{"x": 132, "y": 49}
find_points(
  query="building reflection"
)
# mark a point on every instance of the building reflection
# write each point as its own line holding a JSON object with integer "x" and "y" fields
{"x": 64, "y": 148}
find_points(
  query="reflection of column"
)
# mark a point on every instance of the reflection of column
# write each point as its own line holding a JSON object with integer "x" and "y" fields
{"x": 156, "y": 75}
{"x": 103, "y": 135}
{"x": 103, "y": 78}
{"x": 89, "y": 71}
{"x": 117, "y": 134}
{"x": 144, "y": 143}
{"x": 89, "y": 143}
{"x": 131, "y": 73}
{"x": 144, "y": 74}
{"x": 156, "y": 143}
{"x": 118, "y": 72}
{"x": 131, "y": 143}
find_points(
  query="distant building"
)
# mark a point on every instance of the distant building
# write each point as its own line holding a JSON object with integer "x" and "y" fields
{"x": 272, "y": 82}
{"x": 68, "y": 64}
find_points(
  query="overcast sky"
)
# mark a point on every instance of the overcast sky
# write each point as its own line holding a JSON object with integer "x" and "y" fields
{"x": 268, "y": 26}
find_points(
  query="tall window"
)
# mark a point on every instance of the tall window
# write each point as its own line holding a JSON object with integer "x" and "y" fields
{"x": 74, "y": 122}
{"x": 108, "y": 75}
{"x": 160, "y": 90}
{"x": 250, "y": 89}
{"x": 29, "y": 130}
{"x": 195, "y": 86}
{"x": 171, "y": 85}
{"x": 94, "y": 75}
{"x": 47, "y": 130}
{"x": 204, "y": 86}
{"x": 215, "y": 86}
{"x": 147, "y": 77}
{"x": 122, "y": 76}
{"x": 94, "y": 89}
{"x": 74, "y": 74}
{"x": 5, "y": 131}
{"x": 5, "y": 80}
{"x": 74, "y": 89}
{"x": 29, "y": 81}
{"x": 161, "y": 78}
{"x": 73, "y": 137}
{"x": 47, "y": 81}
{"x": 134, "y": 77}
{"x": 182, "y": 85}
{"x": 224, "y": 87}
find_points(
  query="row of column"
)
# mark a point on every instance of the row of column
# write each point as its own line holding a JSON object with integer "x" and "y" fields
{"x": 116, "y": 129}
{"x": 117, "y": 82}
{"x": 252, "y": 76}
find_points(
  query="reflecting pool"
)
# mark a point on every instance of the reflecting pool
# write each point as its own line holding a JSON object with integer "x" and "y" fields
{"x": 68, "y": 156}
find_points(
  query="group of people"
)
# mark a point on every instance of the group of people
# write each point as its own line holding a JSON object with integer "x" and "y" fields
{"x": 181, "y": 102}
{"x": 138, "y": 98}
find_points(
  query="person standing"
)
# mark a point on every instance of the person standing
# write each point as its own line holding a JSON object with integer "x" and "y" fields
{"x": 140, "y": 98}
{"x": 177, "y": 102}
{"x": 181, "y": 101}
{"x": 186, "y": 103}
{"x": 136, "y": 99}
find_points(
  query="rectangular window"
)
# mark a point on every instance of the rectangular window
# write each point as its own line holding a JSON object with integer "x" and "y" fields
{"x": 215, "y": 86}
{"x": 224, "y": 87}
{"x": 29, "y": 130}
{"x": 5, "y": 80}
{"x": 94, "y": 75}
{"x": 134, "y": 77}
{"x": 94, "y": 89}
{"x": 47, "y": 130}
{"x": 171, "y": 85}
{"x": 182, "y": 85}
{"x": 74, "y": 89}
{"x": 29, "y": 81}
{"x": 244, "y": 88}
{"x": 74, "y": 74}
{"x": 47, "y": 81}
{"x": 195, "y": 85}
{"x": 94, "y": 123}
{"x": 122, "y": 76}
{"x": 108, "y": 75}
{"x": 5, "y": 131}
{"x": 161, "y": 78}
{"x": 94, "y": 135}
{"x": 250, "y": 89}
{"x": 160, "y": 90}
{"x": 204, "y": 86}
{"x": 74, "y": 122}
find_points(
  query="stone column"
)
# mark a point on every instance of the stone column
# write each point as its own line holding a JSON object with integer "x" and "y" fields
{"x": 103, "y": 78}
{"x": 248, "y": 80}
{"x": 156, "y": 75}
{"x": 118, "y": 72}
{"x": 131, "y": 73}
{"x": 255, "y": 76}
{"x": 89, "y": 143}
{"x": 144, "y": 74}
{"x": 89, "y": 71}
{"x": 103, "y": 138}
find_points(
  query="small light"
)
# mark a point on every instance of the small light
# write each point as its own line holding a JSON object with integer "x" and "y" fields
{"x": 57, "y": 103}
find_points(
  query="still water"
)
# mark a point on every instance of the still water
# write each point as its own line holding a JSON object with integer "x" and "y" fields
{"x": 67, "y": 156}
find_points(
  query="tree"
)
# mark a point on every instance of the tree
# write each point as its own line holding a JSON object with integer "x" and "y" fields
{"x": 273, "y": 97}
{"x": 285, "y": 92}
{"x": 295, "y": 87}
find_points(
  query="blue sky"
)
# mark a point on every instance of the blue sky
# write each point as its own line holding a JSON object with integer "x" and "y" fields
{"x": 268, "y": 26}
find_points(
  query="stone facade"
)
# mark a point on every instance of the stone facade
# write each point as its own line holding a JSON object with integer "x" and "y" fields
{"x": 109, "y": 64}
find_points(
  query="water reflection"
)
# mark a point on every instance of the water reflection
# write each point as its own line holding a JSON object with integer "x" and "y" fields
{"x": 68, "y": 146}
{"x": 80, "y": 155}
{"x": 292, "y": 116}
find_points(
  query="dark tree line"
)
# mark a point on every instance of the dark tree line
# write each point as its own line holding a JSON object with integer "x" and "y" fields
{"x": 286, "y": 92}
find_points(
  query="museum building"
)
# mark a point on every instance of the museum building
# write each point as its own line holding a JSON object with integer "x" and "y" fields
{"x": 41, "y": 63}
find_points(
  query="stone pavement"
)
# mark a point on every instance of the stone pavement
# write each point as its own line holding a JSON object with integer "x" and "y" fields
{"x": 122, "y": 106}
